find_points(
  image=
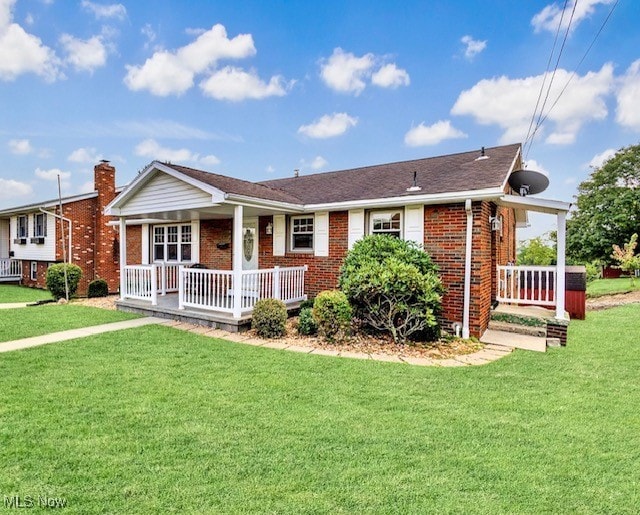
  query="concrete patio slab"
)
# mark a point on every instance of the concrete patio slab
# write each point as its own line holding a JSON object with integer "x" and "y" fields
{"x": 514, "y": 340}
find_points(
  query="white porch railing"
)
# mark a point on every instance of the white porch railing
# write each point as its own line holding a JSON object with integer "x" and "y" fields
{"x": 534, "y": 285}
{"x": 10, "y": 268}
{"x": 141, "y": 282}
{"x": 205, "y": 289}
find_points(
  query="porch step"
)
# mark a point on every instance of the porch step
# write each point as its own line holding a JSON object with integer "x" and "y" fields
{"x": 514, "y": 340}
{"x": 508, "y": 327}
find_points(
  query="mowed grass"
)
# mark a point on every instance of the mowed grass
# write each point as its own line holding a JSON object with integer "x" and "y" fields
{"x": 30, "y": 321}
{"x": 10, "y": 293}
{"x": 601, "y": 287}
{"x": 153, "y": 420}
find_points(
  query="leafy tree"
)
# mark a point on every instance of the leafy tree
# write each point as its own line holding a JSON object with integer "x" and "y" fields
{"x": 536, "y": 251}
{"x": 628, "y": 261}
{"x": 608, "y": 208}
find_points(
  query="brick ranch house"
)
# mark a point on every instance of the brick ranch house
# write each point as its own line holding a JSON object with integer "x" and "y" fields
{"x": 287, "y": 238}
{"x": 34, "y": 236}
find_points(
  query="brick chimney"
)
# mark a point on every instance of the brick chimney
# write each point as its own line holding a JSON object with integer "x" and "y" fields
{"x": 106, "y": 264}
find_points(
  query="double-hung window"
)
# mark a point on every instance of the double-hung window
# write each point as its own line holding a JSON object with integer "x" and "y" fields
{"x": 40, "y": 225}
{"x": 302, "y": 233}
{"x": 172, "y": 243}
{"x": 34, "y": 270}
{"x": 23, "y": 226}
{"x": 386, "y": 222}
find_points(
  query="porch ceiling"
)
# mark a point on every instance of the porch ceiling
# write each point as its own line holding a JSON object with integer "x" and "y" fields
{"x": 221, "y": 211}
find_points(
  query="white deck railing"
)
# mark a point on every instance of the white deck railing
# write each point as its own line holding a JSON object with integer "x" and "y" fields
{"x": 534, "y": 285}
{"x": 213, "y": 289}
{"x": 10, "y": 268}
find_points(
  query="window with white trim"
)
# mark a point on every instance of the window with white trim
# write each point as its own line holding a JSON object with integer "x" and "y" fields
{"x": 34, "y": 270}
{"x": 40, "y": 225}
{"x": 302, "y": 233}
{"x": 386, "y": 222}
{"x": 172, "y": 243}
{"x": 23, "y": 226}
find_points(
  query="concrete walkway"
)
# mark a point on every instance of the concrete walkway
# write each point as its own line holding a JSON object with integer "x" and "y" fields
{"x": 488, "y": 354}
{"x": 14, "y": 305}
{"x": 83, "y": 332}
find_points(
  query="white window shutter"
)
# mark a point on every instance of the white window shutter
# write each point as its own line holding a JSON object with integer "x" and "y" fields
{"x": 356, "y": 226}
{"x": 414, "y": 224}
{"x": 195, "y": 241}
{"x": 145, "y": 244}
{"x": 321, "y": 234}
{"x": 279, "y": 235}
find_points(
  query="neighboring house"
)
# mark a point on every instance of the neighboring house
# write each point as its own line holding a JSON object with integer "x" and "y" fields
{"x": 287, "y": 238}
{"x": 34, "y": 236}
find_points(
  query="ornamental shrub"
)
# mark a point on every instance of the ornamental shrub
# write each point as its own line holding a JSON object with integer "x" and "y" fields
{"x": 269, "y": 318}
{"x": 98, "y": 288}
{"x": 55, "y": 279}
{"x": 393, "y": 286}
{"x": 332, "y": 312}
{"x": 306, "y": 323}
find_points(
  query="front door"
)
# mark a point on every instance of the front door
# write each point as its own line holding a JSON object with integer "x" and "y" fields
{"x": 250, "y": 244}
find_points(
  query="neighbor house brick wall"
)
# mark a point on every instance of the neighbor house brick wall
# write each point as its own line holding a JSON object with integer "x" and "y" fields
{"x": 106, "y": 237}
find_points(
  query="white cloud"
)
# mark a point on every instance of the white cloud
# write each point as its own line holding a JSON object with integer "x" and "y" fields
{"x": 172, "y": 72}
{"x": 599, "y": 159}
{"x": 508, "y": 103}
{"x": 628, "y": 109}
{"x": 235, "y": 84}
{"x": 472, "y": 46}
{"x": 152, "y": 149}
{"x": 84, "y": 55}
{"x": 390, "y": 76}
{"x": 20, "y": 146}
{"x": 549, "y": 18}
{"x": 84, "y": 155}
{"x": 21, "y": 52}
{"x": 433, "y": 134}
{"x": 101, "y": 11}
{"x": 328, "y": 126}
{"x": 318, "y": 163}
{"x": 269, "y": 169}
{"x": 209, "y": 160}
{"x": 52, "y": 174}
{"x": 346, "y": 73}
{"x": 87, "y": 187}
{"x": 9, "y": 189}
{"x": 532, "y": 164}
{"x": 148, "y": 32}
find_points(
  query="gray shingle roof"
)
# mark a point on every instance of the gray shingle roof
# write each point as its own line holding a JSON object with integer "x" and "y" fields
{"x": 442, "y": 174}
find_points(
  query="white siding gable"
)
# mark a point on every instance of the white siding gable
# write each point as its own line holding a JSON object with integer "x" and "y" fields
{"x": 166, "y": 193}
{"x": 356, "y": 226}
{"x": 414, "y": 224}
{"x": 321, "y": 234}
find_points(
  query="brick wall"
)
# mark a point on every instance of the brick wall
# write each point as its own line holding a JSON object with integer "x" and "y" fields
{"x": 212, "y": 233}
{"x": 134, "y": 245}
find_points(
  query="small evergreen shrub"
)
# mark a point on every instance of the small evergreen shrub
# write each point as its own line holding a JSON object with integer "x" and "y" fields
{"x": 332, "y": 312}
{"x": 98, "y": 288}
{"x": 269, "y": 318}
{"x": 307, "y": 303}
{"x": 306, "y": 323}
{"x": 55, "y": 279}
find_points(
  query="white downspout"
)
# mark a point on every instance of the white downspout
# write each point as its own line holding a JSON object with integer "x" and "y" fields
{"x": 56, "y": 215}
{"x": 467, "y": 270}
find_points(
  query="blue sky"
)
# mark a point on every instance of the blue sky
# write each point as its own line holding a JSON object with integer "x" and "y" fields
{"x": 256, "y": 89}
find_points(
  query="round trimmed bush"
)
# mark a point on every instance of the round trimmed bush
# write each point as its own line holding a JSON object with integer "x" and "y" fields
{"x": 332, "y": 312}
{"x": 98, "y": 288}
{"x": 306, "y": 324}
{"x": 55, "y": 279}
{"x": 269, "y": 318}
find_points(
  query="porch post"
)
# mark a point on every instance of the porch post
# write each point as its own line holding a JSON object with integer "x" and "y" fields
{"x": 237, "y": 261}
{"x": 123, "y": 257}
{"x": 560, "y": 264}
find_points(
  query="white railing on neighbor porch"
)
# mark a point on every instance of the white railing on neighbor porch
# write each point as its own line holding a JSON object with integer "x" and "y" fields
{"x": 10, "y": 268}
{"x": 532, "y": 285}
{"x": 213, "y": 289}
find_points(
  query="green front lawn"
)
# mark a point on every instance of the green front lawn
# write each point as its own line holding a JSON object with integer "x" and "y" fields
{"x": 10, "y": 293}
{"x": 601, "y": 287}
{"x": 49, "y": 318}
{"x": 154, "y": 419}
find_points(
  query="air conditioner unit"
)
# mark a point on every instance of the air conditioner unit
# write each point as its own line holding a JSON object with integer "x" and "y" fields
{"x": 20, "y": 241}
{"x": 38, "y": 241}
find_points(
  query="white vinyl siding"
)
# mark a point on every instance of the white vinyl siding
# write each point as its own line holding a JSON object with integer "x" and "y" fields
{"x": 414, "y": 224}
{"x": 321, "y": 234}
{"x": 356, "y": 226}
{"x": 279, "y": 235}
{"x": 32, "y": 251}
{"x": 166, "y": 193}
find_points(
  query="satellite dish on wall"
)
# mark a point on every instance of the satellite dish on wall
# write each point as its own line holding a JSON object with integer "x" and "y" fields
{"x": 528, "y": 182}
